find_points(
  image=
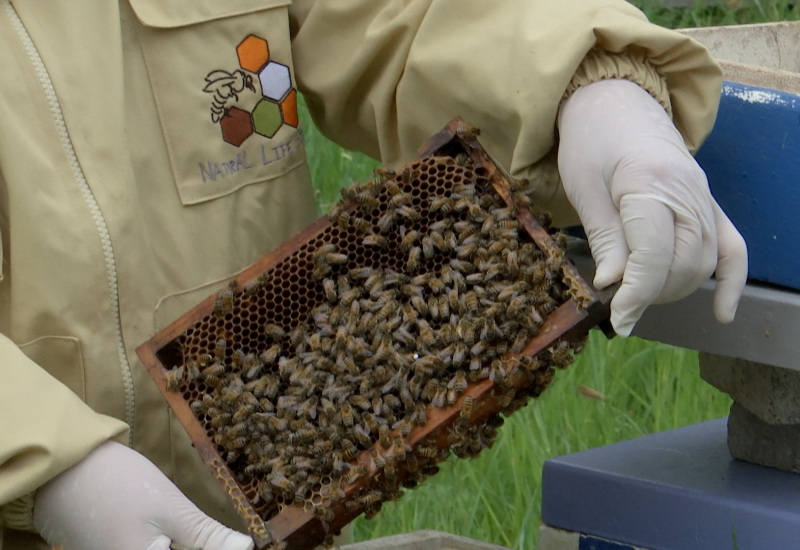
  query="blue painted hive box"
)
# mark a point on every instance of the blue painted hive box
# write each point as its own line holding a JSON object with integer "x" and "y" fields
{"x": 752, "y": 157}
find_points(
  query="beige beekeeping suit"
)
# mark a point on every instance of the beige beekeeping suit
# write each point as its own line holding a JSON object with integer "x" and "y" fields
{"x": 134, "y": 181}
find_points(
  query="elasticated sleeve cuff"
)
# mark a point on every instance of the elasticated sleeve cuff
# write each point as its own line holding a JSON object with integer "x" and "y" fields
{"x": 601, "y": 65}
{"x": 18, "y": 514}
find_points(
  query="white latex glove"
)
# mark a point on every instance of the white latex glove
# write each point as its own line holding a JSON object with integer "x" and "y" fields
{"x": 117, "y": 499}
{"x": 644, "y": 203}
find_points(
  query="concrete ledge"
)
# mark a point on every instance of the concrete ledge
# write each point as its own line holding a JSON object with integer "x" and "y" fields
{"x": 423, "y": 540}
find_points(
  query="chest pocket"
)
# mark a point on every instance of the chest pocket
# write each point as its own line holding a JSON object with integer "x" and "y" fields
{"x": 223, "y": 81}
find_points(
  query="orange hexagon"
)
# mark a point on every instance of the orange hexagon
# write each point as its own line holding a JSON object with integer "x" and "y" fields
{"x": 289, "y": 108}
{"x": 253, "y": 53}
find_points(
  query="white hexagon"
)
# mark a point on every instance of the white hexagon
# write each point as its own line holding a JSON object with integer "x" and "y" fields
{"x": 275, "y": 80}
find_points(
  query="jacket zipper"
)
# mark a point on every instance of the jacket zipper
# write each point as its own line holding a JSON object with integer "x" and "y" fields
{"x": 91, "y": 202}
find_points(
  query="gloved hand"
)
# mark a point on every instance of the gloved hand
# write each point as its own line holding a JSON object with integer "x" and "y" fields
{"x": 116, "y": 498}
{"x": 644, "y": 203}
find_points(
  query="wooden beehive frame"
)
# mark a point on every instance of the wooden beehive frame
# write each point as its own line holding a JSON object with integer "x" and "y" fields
{"x": 298, "y": 528}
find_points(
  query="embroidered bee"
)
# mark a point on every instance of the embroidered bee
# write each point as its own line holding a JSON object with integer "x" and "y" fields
{"x": 226, "y": 87}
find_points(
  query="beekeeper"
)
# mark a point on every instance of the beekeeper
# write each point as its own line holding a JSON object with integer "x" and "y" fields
{"x": 150, "y": 149}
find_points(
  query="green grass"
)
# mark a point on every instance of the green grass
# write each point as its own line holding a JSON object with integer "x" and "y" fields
{"x": 646, "y": 386}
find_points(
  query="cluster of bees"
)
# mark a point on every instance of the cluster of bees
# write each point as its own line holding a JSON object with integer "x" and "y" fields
{"x": 423, "y": 284}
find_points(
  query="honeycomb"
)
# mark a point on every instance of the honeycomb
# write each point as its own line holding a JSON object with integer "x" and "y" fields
{"x": 394, "y": 332}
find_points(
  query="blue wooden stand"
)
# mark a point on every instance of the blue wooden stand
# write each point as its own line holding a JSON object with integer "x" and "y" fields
{"x": 752, "y": 159}
{"x": 675, "y": 490}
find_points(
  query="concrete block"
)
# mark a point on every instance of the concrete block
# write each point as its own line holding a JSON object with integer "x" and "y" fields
{"x": 423, "y": 540}
{"x": 753, "y": 440}
{"x": 552, "y": 538}
{"x": 768, "y": 392}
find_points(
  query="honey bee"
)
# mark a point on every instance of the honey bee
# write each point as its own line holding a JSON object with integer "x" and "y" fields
{"x": 522, "y": 200}
{"x": 437, "y": 241}
{"x": 451, "y": 396}
{"x": 334, "y": 212}
{"x": 335, "y": 258}
{"x": 367, "y": 200}
{"x": 277, "y": 424}
{"x": 436, "y": 285}
{"x": 392, "y": 401}
{"x": 192, "y": 370}
{"x": 349, "y": 450}
{"x": 427, "y": 247}
{"x": 433, "y": 307}
{"x": 400, "y": 199}
{"x": 198, "y": 407}
{"x": 280, "y": 481}
{"x": 237, "y": 358}
{"x": 221, "y": 419}
{"x": 459, "y": 382}
{"x": 329, "y": 288}
{"x": 468, "y": 132}
{"x": 274, "y": 331}
{"x": 308, "y": 408}
{"x": 320, "y": 253}
{"x": 173, "y": 378}
{"x": 375, "y": 240}
{"x": 517, "y": 305}
{"x": 378, "y": 460}
{"x": 371, "y": 422}
{"x": 343, "y": 219}
{"x": 424, "y": 451}
{"x": 347, "y": 414}
{"x": 405, "y": 425}
{"x": 390, "y": 471}
{"x": 441, "y": 204}
{"x": 420, "y": 414}
{"x": 462, "y": 204}
{"x": 361, "y": 435}
{"x": 440, "y": 397}
{"x": 459, "y": 354}
{"x": 519, "y": 342}
{"x": 507, "y": 397}
{"x": 360, "y": 224}
{"x": 383, "y": 436}
{"x": 384, "y": 173}
{"x": 462, "y": 266}
{"x": 211, "y": 373}
{"x": 270, "y": 355}
{"x": 561, "y": 354}
{"x": 256, "y": 285}
{"x": 466, "y": 408}
{"x": 414, "y": 257}
{"x": 399, "y": 448}
{"x": 371, "y": 498}
{"x": 408, "y": 212}
{"x": 223, "y": 303}
{"x": 361, "y": 402}
{"x": 409, "y": 239}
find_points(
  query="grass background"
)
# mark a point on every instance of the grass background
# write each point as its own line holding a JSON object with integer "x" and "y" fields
{"x": 646, "y": 386}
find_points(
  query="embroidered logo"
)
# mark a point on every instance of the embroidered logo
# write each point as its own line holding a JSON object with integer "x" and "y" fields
{"x": 275, "y": 106}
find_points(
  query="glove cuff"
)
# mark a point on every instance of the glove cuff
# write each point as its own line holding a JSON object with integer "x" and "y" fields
{"x": 18, "y": 514}
{"x": 600, "y": 65}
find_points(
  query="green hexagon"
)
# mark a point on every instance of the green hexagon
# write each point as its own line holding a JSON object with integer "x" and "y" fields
{"x": 267, "y": 118}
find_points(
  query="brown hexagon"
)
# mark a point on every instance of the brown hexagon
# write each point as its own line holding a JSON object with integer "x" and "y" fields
{"x": 236, "y": 125}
